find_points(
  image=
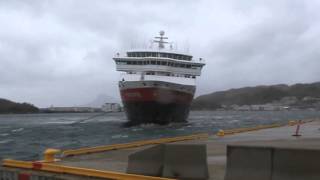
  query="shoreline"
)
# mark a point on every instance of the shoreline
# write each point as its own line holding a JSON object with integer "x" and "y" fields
{"x": 198, "y": 110}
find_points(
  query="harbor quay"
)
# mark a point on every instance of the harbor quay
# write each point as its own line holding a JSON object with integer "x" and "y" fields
{"x": 268, "y": 152}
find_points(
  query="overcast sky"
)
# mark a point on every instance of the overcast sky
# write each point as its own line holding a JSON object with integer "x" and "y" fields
{"x": 59, "y": 52}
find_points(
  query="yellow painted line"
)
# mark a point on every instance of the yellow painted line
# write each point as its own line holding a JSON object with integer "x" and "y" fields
{"x": 55, "y": 168}
{"x": 96, "y": 149}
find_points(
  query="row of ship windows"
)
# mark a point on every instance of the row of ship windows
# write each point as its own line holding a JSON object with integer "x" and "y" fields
{"x": 156, "y": 54}
{"x": 155, "y": 84}
{"x": 166, "y": 74}
{"x": 164, "y": 63}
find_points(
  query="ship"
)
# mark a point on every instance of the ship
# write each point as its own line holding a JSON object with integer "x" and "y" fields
{"x": 157, "y": 84}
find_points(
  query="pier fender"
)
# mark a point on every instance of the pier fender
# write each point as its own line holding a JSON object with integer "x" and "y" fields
{"x": 182, "y": 161}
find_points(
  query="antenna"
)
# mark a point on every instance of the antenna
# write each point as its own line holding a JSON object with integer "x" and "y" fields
{"x": 171, "y": 45}
{"x": 150, "y": 44}
{"x": 161, "y": 40}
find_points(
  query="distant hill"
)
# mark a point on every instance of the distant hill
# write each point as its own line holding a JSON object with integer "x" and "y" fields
{"x": 7, "y": 106}
{"x": 255, "y": 95}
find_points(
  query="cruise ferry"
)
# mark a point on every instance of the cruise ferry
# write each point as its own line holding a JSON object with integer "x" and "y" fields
{"x": 157, "y": 85}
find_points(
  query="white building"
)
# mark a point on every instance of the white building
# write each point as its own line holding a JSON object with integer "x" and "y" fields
{"x": 111, "y": 107}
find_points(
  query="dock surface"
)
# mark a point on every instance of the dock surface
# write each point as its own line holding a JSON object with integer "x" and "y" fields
{"x": 116, "y": 160}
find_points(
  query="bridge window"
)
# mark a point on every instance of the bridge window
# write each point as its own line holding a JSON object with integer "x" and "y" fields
{"x": 163, "y": 63}
{"x": 153, "y": 62}
{"x": 158, "y": 62}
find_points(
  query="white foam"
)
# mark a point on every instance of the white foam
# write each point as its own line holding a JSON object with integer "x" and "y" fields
{"x": 17, "y": 130}
{"x": 117, "y": 136}
{"x": 4, "y": 134}
{"x": 6, "y": 141}
{"x": 60, "y": 122}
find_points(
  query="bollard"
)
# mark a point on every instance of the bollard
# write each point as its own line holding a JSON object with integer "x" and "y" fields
{"x": 297, "y": 133}
{"x": 49, "y": 154}
{"x": 220, "y": 133}
{"x": 291, "y": 123}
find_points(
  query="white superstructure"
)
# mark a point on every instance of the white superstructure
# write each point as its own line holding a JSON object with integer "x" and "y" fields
{"x": 159, "y": 64}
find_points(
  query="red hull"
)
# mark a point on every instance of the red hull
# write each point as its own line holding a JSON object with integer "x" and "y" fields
{"x": 158, "y": 105}
{"x": 153, "y": 94}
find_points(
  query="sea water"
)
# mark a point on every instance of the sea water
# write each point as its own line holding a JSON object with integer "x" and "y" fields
{"x": 26, "y": 136}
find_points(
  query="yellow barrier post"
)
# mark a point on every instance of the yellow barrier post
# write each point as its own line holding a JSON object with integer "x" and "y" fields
{"x": 49, "y": 154}
{"x": 220, "y": 133}
{"x": 291, "y": 123}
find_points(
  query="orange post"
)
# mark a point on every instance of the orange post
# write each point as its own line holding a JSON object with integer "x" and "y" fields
{"x": 297, "y": 133}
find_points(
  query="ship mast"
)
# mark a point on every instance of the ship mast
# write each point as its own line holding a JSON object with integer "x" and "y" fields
{"x": 161, "y": 41}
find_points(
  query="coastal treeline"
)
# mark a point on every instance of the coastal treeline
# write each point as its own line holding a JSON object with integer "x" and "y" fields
{"x": 7, "y": 106}
{"x": 256, "y": 95}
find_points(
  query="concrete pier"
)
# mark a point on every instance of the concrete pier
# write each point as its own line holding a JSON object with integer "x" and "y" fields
{"x": 281, "y": 137}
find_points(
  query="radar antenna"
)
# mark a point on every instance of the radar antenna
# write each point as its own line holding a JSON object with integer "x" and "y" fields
{"x": 161, "y": 41}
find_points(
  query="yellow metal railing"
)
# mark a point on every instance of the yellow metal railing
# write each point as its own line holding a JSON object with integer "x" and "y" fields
{"x": 55, "y": 168}
{"x": 222, "y": 132}
{"x": 96, "y": 149}
{"x": 247, "y": 129}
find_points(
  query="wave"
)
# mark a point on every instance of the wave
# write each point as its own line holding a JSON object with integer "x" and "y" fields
{"x": 117, "y": 136}
{"x": 4, "y": 134}
{"x": 233, "y": 121}
{"x": 5, "y": 141}
{"x": 17, "y": 130}
{"x": 60, "y": 122}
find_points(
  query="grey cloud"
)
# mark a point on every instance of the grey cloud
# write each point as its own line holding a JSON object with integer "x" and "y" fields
{"x": 60, "y": 52}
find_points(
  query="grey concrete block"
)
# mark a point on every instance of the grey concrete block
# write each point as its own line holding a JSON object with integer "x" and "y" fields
{"x": 171, "y": 160}
{"x": 249, "y": 163}
{"x": 296, "y": 164}
{"x": 184, "y": 161}
{"x": 147, "y": 162}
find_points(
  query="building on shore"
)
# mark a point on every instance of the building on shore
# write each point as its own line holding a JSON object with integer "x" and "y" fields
{"x": 53, "y": 109}
{"x": 111, "y": 107}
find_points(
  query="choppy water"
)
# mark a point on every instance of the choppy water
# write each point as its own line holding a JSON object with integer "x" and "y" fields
{"x": 27, "y": 136}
